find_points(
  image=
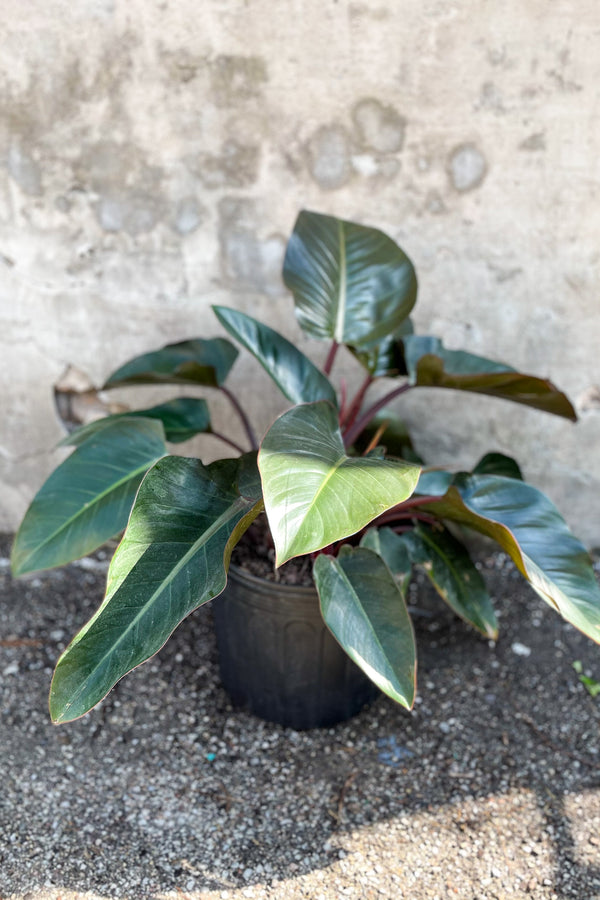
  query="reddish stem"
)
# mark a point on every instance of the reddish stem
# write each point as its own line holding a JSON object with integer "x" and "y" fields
{"x": 226, "y": 440}
{"x": 343, "y": 398}
{"x": 356, "y": 404}
{"x": 421, "y": 500}
{"x": 243, "y": 417}
{"x": 355, "y": 429}
{"x": 330, "y": 358}
{"x": 419, "y": 517}
{"x": 404, "y": 511}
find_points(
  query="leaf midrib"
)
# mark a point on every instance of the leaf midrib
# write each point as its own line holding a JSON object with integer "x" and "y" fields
{"x": 358, "y": 602}
{"x": 226, "y": 516}
{"x": 463, "y": 592}
{"x": 87, "y": 508}
{"x": 309, "y": 509}
{"x": 343, "y": 289}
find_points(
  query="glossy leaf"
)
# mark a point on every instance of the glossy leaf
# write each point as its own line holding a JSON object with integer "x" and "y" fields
{"x": 450, "y": 569}
{"x": 294, "y": 374}
{"x": 87, "y": 499}
{"x": 173, "y": 558}
{"x": 531, "y": 530}
{"x": 314, "y": 493}
{"x": 181, "y": 418}
{"x": 429, "y": 364}
{"x": 437, "y": 481}
{"x": 351, "y": 284}
{"x": 385, "y": 359}
{"x": 205, "y": 362}
{"x": 498, "y": 464}
{"x": 434, "y": 482}
{"x": 393, "y": 550}
{"x": 365, "y": 611}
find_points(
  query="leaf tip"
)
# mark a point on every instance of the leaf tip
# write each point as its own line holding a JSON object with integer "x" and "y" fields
{"x": 18, "y": 562}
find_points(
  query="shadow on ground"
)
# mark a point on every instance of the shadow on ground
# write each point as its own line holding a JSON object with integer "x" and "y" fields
{"x": 490, "y": 788}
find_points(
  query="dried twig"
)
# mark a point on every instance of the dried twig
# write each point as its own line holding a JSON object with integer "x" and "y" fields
{"x": 342, "y": 795}
{"x": 558, "y": 748}
{"x": 21, "y": 642}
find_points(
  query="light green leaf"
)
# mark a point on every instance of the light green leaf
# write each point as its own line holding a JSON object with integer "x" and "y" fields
{"x": 351, "y": 284}
{"x": 314, "y": 493}
{"x": 294, "y": 374}
{"x": 174, "y": 557}
{"x": 87, "y": 499}
{"x": 531, "y": 530}
{"x": 454, "y": 576}
{"x": 199, "y": 361}
{"x": 182, "y": 419}
{"x": 429, "y": 364}
{"x": 365, "y": 611}
{"x": 590, "y": 684}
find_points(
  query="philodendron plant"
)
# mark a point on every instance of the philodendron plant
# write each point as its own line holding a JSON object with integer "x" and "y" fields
{"x": 336, "y": 476}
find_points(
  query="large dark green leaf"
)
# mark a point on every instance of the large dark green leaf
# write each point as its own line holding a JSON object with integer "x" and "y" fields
{"x": 87, "y": 499}
{"x": 350, "y": 283}
{"x": 429, "y": 364}
{"x": 393, "y": 550}
{"x": 182, "y": 419}
{"x": 314, "y": 493}
{"x": 364, "y": 609}
{"x": 199, "y": 361}
{"x": 498, "y": 464}
{"x": 294, "y": 374}
{"x": 452, "y": 572}
{"x": 531, "y": 530}
{"x": 385, "y": 359}
{"x": 437, "y": 481}
{"x": 434, "y": 482}
{"x": 174, "y": 557}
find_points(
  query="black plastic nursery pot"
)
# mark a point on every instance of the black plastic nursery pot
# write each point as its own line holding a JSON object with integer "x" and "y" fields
{"x": 279, "y": 661}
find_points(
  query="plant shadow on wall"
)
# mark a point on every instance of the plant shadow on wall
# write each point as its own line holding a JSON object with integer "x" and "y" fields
{"x": 335, "y": 475}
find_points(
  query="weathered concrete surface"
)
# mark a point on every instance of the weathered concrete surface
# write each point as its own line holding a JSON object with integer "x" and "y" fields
{"x": 153, "y": 157}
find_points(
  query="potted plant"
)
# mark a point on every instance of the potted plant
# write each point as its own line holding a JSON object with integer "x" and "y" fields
{"x": 335, "y": 475}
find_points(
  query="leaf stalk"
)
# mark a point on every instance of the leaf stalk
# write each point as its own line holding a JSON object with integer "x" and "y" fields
{"x": 362, "y": 421}
{"x": 243, "y": 417}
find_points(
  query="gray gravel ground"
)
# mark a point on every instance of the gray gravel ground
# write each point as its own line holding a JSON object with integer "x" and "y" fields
{"x": 490, "y": 789}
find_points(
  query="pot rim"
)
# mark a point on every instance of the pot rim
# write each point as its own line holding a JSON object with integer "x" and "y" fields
{"x": 266, "y": 585}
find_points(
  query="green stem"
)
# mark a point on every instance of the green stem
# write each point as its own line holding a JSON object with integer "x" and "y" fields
{"x": 243, "y": 417}
{"x": 353, "y": 432}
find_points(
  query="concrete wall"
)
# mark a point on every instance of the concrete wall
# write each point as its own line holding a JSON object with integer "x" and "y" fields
{"x": 154, "y": 155}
